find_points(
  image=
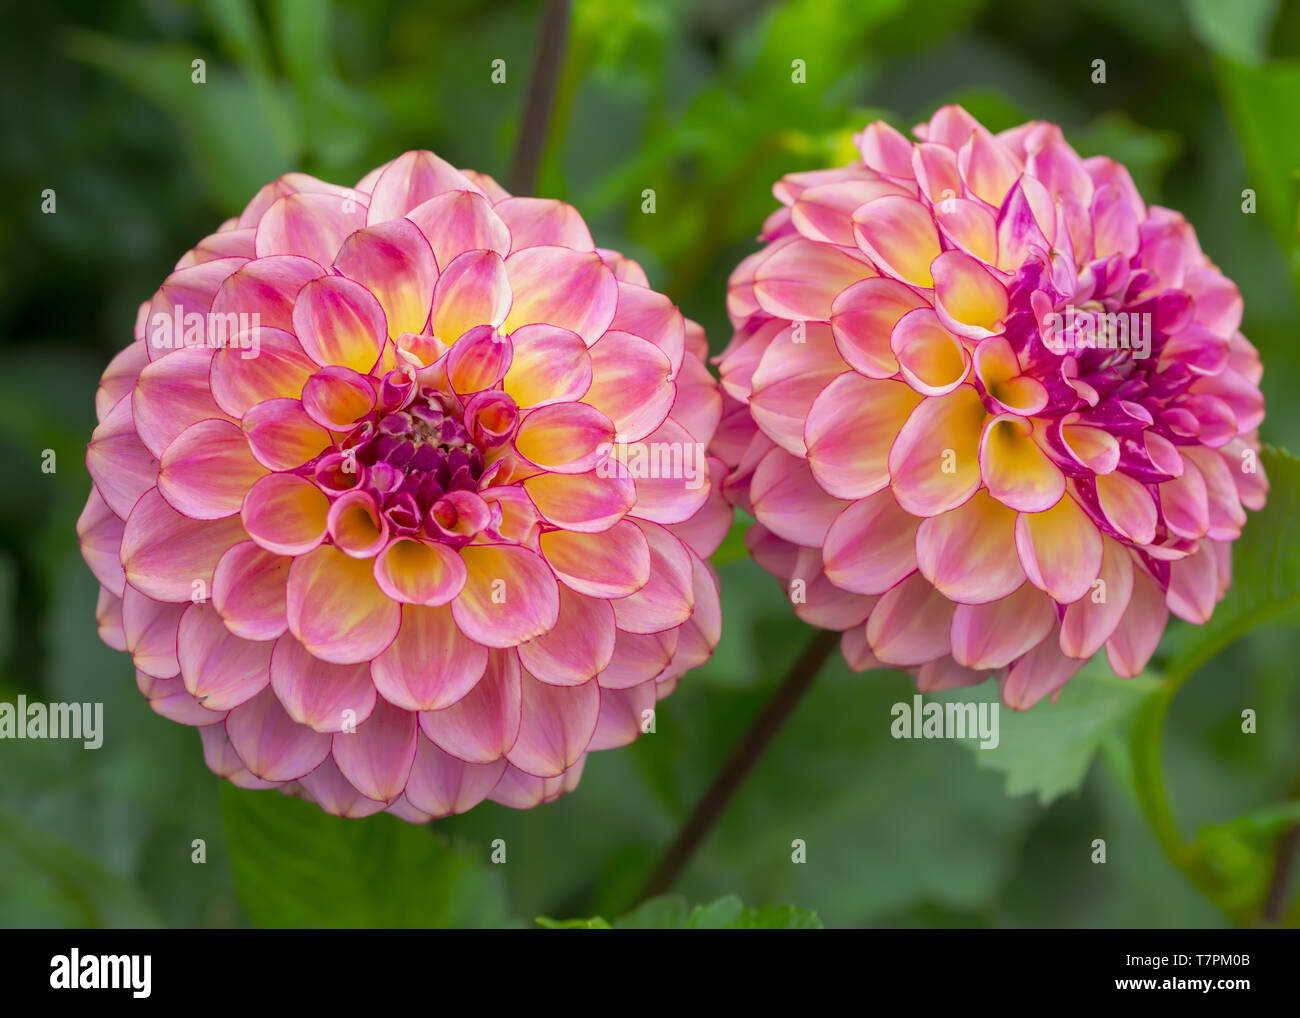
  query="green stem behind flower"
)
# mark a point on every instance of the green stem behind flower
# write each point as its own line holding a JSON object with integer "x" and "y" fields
{"x": 741, "y": 761}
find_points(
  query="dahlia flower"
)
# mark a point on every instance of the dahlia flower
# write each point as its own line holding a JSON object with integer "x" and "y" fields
{"x": 991, "y": 412}
{"x": 371, "y": 506}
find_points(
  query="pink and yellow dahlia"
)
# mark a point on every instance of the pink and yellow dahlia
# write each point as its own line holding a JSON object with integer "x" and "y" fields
{"x": 367, "y": 508}
{"x": 991, "y": 412}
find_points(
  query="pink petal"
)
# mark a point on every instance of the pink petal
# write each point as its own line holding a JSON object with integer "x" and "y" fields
{"x": 282, "y": 436}
{"x": 800, "y": 281}
{"x": 579, "y": 647}
{"x": 587, "y": 503}
{"x": 311, "y": 225}
{"x": 248, "y": 591}
{"x": 472, "y": 290}
{"x": 395, "y": 263}
{"x": 992, "y": 635}
{"x": 909, "y": 624}
{"x": 207, "y": 470}
{"x": 410, "y": 180}
{"x": 622, "y": 714}
{"x": 556, "y": 725}
{"x": 899, "y": 236}
{"x": 431, "y": 664}
{"x": 99, "y": 531}
{"x": 1135, "y": 639}
{"x": 458, "y": 221}
{"x": 1060, "y": 550}
{"x": 638, "y": 658}
{"x": 270, "y": 744}
{"x": 1090, "y": 621}
{"x": 614, "y": 563}
{"x": 166, "y": 555}
{"x": 788, "y": 501}
{"x": 336, "y": 609}
{"x": 793, "y": 372}
{"x": 871, "y": 545}
{"x": 934, "y": 464}
{"x": 631, "y": 384}
{"x": 286, "y": 514}
{"x": 220, "y": 669}
{"x": 668, "y": 597}
{"x": 441, "y": 785}
{"x": 339, "y": 321}
{"x": 149, "y": 630}
{"x": 968, "y": 552}
{"x": 377, "y": 756}
{"x": 550, "y": 365}
{"x": 120, "y": 465}
{"x": 557, "y": 286}
{"x": 543, "y": 222}
{"x": 510, "y": 595}
{"x": 279, "y": 370}
{"x": 1017, "y": 471}
{"x": 483, "y": 725}
{"x": 326, "y": 697}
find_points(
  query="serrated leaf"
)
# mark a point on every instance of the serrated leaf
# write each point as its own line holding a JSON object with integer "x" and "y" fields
{"x": 296, "y": 866}
{"x": 1048, "y": 749}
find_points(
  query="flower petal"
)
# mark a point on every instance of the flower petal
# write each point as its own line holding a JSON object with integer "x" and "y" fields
{"x": 556, "y": 286}
{"x": 431, "y": 664}
{"x": 967, "y": 552}
{"x": 336, "y": 609}
{"x": 327, "y": 697}
{"x": 510, "y": 595}
{"x": 483, "y": 725}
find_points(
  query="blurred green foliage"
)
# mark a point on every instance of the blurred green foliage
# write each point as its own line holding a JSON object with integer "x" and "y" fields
{"x": 696, "y": 101}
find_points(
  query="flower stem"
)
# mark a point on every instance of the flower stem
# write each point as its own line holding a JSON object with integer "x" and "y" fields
{"x": 1148, "y": 773}
{"x": 552, "y": 40}
{"x": 1274, "y": 906}
{"x": 741, "y": 761}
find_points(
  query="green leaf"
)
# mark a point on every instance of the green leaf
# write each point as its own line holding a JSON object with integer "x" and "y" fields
{"x": 595, "y": 923}
{"x": 45, "y": 882}
{"x": 1258, "y": 99}
{"x": 1238, "y": 29}
{"x": 671, "y": 912}
{"x": 296, "y": 866}
{"x": 234, "y": 127}
{"x": 1048, "y": 749}
{"x": 1265, "y": 571}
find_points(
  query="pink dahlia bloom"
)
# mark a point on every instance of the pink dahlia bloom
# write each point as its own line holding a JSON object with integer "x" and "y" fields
{"x": 989, "y": 409}
{"x": 369, "y": 504}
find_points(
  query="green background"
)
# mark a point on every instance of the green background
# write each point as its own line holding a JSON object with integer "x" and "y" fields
{"x": 696, "y": 101}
